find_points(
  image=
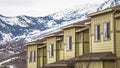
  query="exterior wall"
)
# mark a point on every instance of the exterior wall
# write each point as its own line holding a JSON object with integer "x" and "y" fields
{"x": 71, "y": 53}
{"x": 109, "y": 64}
{"x": 91, "y": 64}
{"x": 102, "y": 45}
{"x": 117, "y": 22}
{"x": 51, "y": 40}
{"x": 82, "y": 43}
{"x": 79, "y": 45}
{"x": 86, "y": 42}
{"x": 42, "y": 56}
{"x": 118, "y": 63}
{"x": 90, "y": 39}
{"x": 32, "y": 64}
{"x": 118, "y": 37}
{"x": 59, "y": 51}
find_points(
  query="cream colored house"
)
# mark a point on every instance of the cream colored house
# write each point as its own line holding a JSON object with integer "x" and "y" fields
{"x": 54, "y": 47}
{"x": 104, "y": 41}
{"x": 36, "y": 54}
{"x": 75, "y": 44}
{"x": 91, "y": 43}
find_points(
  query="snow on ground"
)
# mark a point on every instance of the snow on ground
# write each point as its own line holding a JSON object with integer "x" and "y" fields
{"x": 8, "y": 60}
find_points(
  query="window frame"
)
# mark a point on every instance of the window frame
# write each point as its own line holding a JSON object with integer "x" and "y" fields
{"x": 69, "y": 43}
{"x": 51, "y": 50}
{"x": 97, "y": 32}
{"x": 32, "y": 56}
{"x": 106, "y": 32}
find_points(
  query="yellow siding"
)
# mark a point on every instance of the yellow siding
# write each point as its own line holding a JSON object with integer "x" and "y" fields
{"x": 71, "y": 53}
{"x": 45, "y": 56}
{"x": 59, "y": 50}
{"x": 118, "y": 63}
{"x": 109, "y": 64}
{"x": 86, "y": 42}
{"x": 78, "y": 48}
{"x": 102, "y": 45}
{"x": 118, "y": 37}
{"x": 32, "y": 64}
{"x": 40, "y": 57}
{"x": 94, "y": 64}
{"x": 51, "y": 40}
{"x": 90, "y": 40}
{"x": 82, "y": 43}
{"x": 117, "y": 23}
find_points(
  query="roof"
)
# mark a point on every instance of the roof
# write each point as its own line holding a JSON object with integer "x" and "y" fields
{"x": 88, "y": 57}
{"x": 37, "y": 42}
{"x": 77, "y": 24}
{"x": 116, "y": 8}
{"x": 82, "y": 29}
{"x": 97, "y": 56}
{"x": 62, "y": 63}
{"x": 59, "y": 33}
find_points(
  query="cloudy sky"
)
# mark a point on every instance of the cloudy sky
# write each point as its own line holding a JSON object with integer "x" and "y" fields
{"x": 39, "y": 7}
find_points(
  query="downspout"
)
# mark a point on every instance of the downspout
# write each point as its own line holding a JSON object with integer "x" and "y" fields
{"x": 114, "y": 36}
{"x": 114, "y": 31}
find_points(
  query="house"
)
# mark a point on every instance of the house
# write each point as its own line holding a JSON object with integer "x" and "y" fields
{"x": 75, "y": 43}
{"x": 71, "y": 40}
{"x": 36, "y": 54}
{"x": 55, "y": 47}
{"x": 91, "y": 43}
{"x": 104, "y": 40}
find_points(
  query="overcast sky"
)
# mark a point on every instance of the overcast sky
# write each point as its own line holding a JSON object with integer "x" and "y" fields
{"x": 38, "y": 7}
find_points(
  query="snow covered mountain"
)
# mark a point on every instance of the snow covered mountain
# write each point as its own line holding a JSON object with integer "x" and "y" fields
{"x": 15, "y": 31}
{"x": 32, "y": 28}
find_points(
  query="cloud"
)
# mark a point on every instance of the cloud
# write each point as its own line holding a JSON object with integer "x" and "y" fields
{"x": 38, "y": 7}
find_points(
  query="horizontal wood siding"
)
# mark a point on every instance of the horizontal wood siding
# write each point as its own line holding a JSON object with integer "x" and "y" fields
{"x": 86, "y": 42}
{"x": 44, "y": 55}
{"x": 118, "y": 37}
{"x": 59, "y": 51}
{"x": 109, "y": 64}
{"x": 71, "y": 53}
{"x": 78, "y": 46}
{"x": 102, "y": 45}
{"x": 92, "y": 64}
{"x": 51, "y": 40}
{"x": 32, "y": 64}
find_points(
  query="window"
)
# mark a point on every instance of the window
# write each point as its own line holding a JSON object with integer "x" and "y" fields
{"x": 106, "y": 31}
{"x": 32, "y": 56}
{"x": 97, "y": 32}
{"x": 51, "y": 50}
{"x": 69, "y": 43}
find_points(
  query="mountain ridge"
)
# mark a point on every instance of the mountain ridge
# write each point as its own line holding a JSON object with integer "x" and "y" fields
{"x": 28, "y": 28}
{"x": 16, "y": 31}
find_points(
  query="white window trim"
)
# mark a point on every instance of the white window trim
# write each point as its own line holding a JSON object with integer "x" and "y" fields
{"x": 32, "y": 56}
{"x": 96, "y": 37}
{"x": 68, "y": 43}
{"x": 51, "y": 50}
{"x": 105, "y": 31}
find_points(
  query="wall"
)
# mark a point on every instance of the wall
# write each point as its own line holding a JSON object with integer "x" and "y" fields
{"x": 59, "y": 52}
{"x": 86, "y": 44}
{"x": 42, "y": 56}
{"x": 109, "y": 64}
{"x": 102, "y": 45}
{"x": 71, "y": 53}
{"x": 117, "y": 22}
{"x": 51, "y": 40}
{"x": 82, "y": 43}
{"x": 32, "y": 64}
{"x": 93, "y": 64}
